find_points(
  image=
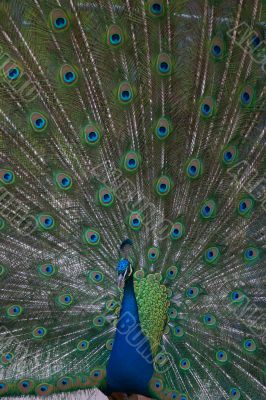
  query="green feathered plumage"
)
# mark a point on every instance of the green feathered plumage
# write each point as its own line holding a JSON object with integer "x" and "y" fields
{"x": 143, "y": 120}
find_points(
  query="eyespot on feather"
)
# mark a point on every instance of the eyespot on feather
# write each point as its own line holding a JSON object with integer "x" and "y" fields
{"x": 115, "y": 37}
{"x": 163, "y": 185}
{"x": 207, "y": 107}
{"x": 218, "y": 48}
{"x": 38, "y": 122}
{"x": 164, "y": 65}
{"x": 194, "y": 168}
{"x": 125, "y": 93}
{"x": 106, "y": 197}
{"x": 92, "y": 135}
{"x": 68, "y": 75}
{"x": 12, "y": 71}
{"x": 163, "y": 128}
{"x": 7, "y": 176}
{"x": 45, "y": 221}
{"x": 59, "y": 20}
{"x": 44, "y": 389}
{"x": 135, "y": 220}
{"x": 25, "y": 386}
{"x": 131, "y": 161}
{"x": 155, "y": 8}
{"x": 65, "y": 383}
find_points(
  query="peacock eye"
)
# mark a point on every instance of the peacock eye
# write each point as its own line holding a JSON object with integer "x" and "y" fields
{"x": 59, "y": 20}
{"x": 13, "y": 73}
{"x": 65, "y": 299}
{"x": 92, "y": 135}
{"x": 68, "y": 75}
{"x": 234, "y": 394}
{"x": 125, "y": 93}
{"x": 7, "y": 176}
{"x": 38, "y": 121}
{"x": 164, "y": 65}
{"x": 115, "y": 36}
{"x": 221, "y": 356}
{"x": 247, "y": 96}
{"x": 163, "y": 186}
{"x": 207, "y": 107}
{"x": 208, "y": 209}
{"x": 135, "y": 221}
{"x": 155, "y": 8}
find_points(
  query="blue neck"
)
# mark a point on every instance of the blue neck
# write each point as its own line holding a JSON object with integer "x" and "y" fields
{"x": 130, "y": 366}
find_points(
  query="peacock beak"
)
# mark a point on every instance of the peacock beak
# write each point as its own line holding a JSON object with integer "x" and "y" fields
{"x": 121, "y": 280}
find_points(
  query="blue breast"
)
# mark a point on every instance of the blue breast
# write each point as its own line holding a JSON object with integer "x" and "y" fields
{"x": 130, "y": 366}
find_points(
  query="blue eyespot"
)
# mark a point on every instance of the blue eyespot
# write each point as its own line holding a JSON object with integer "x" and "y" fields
{"x": 245, "y": 97}
{"x": 235, "y": 394}
{"x": 249, "y": 253}
{"x": 13, "y": 73}
{"x": 175, "y": 232}
{"x": 136, "y": 222}
{"x": 206, "y": 109}
{"x": 48, "y": 222}
{"x": 125, "y": 95}
{"x": 39, "y": 123}
{"x": 92, "y": 136}
{"x": 8, "y": 177}
{"x": 69, "y": 77}
{"x": 115, "y": 38}
{"x": 216, "y": 50}
{"x": 162, "y": 131}
{"x": 192, "y": 170}
{"x": 107, "y": 197}
{"x": 156, "y": 8}
{"x": 228, "y": 156}
{"x": 242, "y": 206}
{"x": 235, "y": 295}
{"x": 221, "y": 356}
{"x": 94, "y": 238}
{"x": 256, "y": 41}
{"x": 65, "y": 182}
{"x": 60, "y": 22}
{"x": 131, "y": 163}
{"x": 164, "y": 67}
{"x": 67, "y": 299}
{"x": 250, "y": 345}
{"x": 192, "y": 292}
{"x": 163, "y": 187}
{"x": 206, "y": 210}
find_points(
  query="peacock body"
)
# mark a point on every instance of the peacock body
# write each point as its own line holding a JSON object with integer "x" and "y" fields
{"x": 132, "y": 198}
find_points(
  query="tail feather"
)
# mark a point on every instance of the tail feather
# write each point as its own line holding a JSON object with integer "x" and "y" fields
{"x": 141, "y": 120}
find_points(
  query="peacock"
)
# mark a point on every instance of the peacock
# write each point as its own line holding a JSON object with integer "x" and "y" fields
{"x": 132, "y": 198}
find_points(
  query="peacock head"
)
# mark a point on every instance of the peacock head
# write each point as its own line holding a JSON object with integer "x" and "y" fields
{"x": 124, "y": 271}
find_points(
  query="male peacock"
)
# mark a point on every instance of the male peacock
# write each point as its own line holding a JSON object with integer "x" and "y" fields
{"x": 133, "y": 197}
